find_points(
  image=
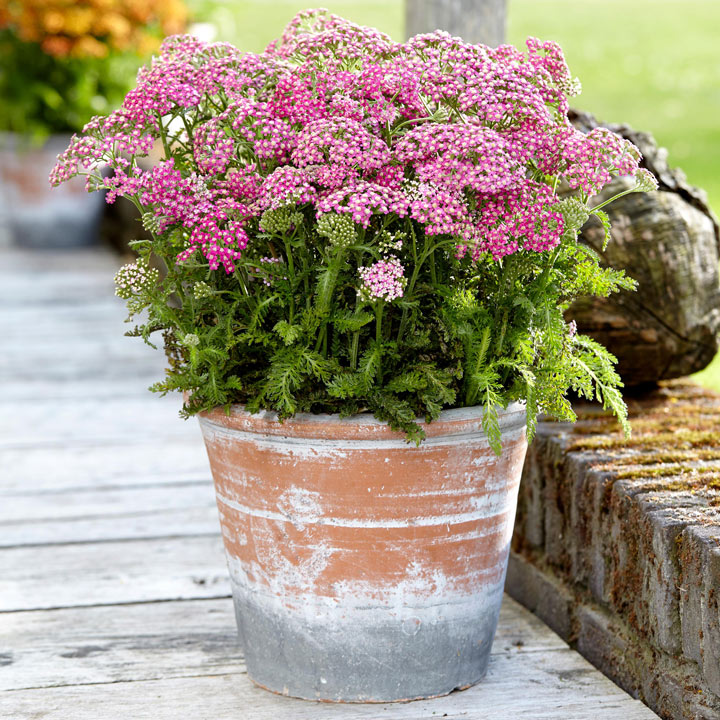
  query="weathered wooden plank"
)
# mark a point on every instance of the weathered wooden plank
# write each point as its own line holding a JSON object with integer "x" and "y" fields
{"x": 106, "y": 502}
{"x": 133, "y": 382}
{"x": 87, "y": 338}
{"x": 23, "y": 289}
{"x": 66, "y": 330}
{"x": 66, "y": 316}
{"x": 22, "y": 261}
{"x": 108, "y": 514}
{"x": 74, "y": 346}
{"x": 114, "y": 463}
{"x": 94, "y": 368}
{"x": 109, "y": 644}
{"x": 36, "y": 349}
{"x": 151, "y": 525}
{"x": 86, "y": 421}
{"x": 163, "y": 640}
{"x": 541, "y": 686}
{"x": 110, "y": 361}
{"x": 54, "y": 576}
{"x": 131, "y": 374}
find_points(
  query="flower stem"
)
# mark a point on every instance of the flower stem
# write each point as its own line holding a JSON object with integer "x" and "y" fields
{"x": 614, "y": 197}
{"x": 379, "y": 306}
{"x": 291, "y": 278}
{"x": 163, "y": 136}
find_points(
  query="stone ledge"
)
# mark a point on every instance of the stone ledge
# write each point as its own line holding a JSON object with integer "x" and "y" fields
{"x": 617, "y": 545}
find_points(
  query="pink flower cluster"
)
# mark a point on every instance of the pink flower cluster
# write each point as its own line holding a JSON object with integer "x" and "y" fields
{"x": 593, "y": 159}
{"x": 457, "y": 137}
{"x": 383, "y": 280}
{"x": 524, "y": 212}
{"x": 220, "y": 242}
{"x": 286, "y": 185}
{"x": 105, "y": 140}
{"x": 470, "y": 157}
{"x": 362, "y": 200}
{"x": 212, "y": 148}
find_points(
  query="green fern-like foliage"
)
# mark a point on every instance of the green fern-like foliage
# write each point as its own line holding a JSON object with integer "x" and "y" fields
{"x": 299, "y": 336}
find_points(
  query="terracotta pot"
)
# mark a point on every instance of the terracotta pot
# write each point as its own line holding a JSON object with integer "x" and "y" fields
{"x": 38, "y": 215}
{"x": 365, "y": 569}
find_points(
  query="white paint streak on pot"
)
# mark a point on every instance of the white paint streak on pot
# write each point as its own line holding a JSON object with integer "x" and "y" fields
{"x": 365, "y": 569}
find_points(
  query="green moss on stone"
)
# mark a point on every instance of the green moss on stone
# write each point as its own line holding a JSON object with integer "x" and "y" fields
{"x": 681, "y": 439}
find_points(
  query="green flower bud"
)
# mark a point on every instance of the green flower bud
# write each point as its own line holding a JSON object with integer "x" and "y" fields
{"x": 338, "y": 228}
{"x": 575, "y": 213}
{"x": 202, "y": 290}
{"x": 151, "y": 222}
{"x": 278, "y": 221}
{"x": 390, "y": 243}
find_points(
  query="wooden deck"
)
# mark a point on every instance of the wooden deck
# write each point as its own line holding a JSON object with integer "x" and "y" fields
{"x": 114, "y": 600}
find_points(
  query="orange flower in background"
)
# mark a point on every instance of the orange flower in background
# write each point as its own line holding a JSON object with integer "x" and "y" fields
{"x": 53, "y": 21}
{"x": 94, "y": 28}
{"x": 56, "y": 45}
{"x": 88, "y": 46}
{"x": 116, "y": 25}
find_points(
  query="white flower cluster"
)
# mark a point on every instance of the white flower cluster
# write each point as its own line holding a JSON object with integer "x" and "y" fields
{"x": 645, "y": 181}
{"x": 152, "y": 223}
{"x": 391, "y": 242}
{"x": 135, "y": 278}
{"x": 571, "y": 87}
{"x": 383, "y": 280}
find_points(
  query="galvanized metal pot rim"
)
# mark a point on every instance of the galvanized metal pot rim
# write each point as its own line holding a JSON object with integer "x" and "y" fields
{"x": 453, "y": 422}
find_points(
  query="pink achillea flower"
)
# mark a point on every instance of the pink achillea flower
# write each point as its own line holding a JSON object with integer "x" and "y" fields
{"x": 286, "y": 185}
{"x": 383, "y": 280}
{"x": 459, "y": 138}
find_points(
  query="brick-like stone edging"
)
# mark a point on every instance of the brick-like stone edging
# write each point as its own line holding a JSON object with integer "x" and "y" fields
{"x": 617, "y": 545}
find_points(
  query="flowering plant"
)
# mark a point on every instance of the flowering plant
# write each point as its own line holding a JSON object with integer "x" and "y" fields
{"x": 62, "y": 60}
{"x": 351, "y": 224}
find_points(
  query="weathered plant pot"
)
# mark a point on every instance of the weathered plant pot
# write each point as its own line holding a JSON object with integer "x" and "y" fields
{"x": 365, "y": 569}
{"x": 38, "y": 215}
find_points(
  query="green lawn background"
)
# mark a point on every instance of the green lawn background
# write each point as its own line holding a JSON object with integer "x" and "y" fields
{"x": 654, "y": 64}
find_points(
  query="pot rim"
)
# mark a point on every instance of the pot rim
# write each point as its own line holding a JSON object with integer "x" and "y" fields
{"x": 455, "y": 421}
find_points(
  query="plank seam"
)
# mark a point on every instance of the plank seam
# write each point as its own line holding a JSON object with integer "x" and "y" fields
{"x": 102, "y": 541}
{"x": 118, "y": 604}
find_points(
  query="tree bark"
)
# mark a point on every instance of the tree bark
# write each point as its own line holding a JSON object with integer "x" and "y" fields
{"x": 669, "y": 242}
{"x": 476, "y": 21}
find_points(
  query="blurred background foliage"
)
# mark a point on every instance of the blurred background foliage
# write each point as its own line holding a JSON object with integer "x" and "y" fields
{"x": 63, "y": 61}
